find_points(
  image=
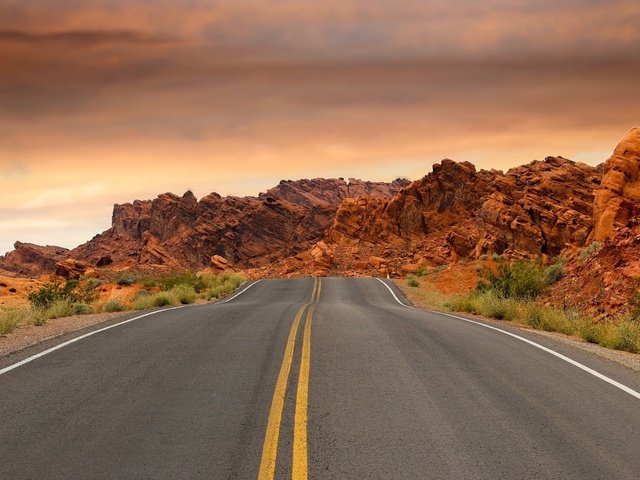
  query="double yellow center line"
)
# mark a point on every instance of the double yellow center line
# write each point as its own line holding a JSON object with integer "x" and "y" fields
{"x": 270, "y": 446}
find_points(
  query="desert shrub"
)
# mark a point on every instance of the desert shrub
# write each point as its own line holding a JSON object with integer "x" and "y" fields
{"x": 627, "y": 336}
{"x": 184, "y": 293}
{"x": 422, "y": 271}
{"x": 11, "y": 317}
{"x": 125, "y": 281}
{"x": 413, "y": 281}
{"x": 81, "y": 309}
{"x": 144, "y": 303}
{"x": 221, "y": 285}
{"x": 549, "y": 319}
{"x": 52, "y": 292}
{"x": 491, "y": 305}
{"x": 555, "y": 272}
{"x": 113, "y": 306}
{"x": 163, "y": 299}
{"x": 461, "y": 303}
{"x": 593, "y": 332}
{"x": 487, "y": 304}
{"x": 520, "y": 279}
{"x": 484, "y": 256}
{"x": 189, "y": 278}
{"x": 586, "y": 252}
{"x": 59, "y": 308}
{"x": 634, "y": 306}
{"x": 85, "y": 291}
{"x": 149, "y": 283}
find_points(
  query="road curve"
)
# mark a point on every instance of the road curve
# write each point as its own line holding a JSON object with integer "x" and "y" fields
{"x": 315, "y": 378}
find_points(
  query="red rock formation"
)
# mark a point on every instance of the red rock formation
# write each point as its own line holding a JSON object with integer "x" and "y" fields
{"x": 604, "y": 281}
{"x": 542, "y": 208}
{"x": 617, "y": 199}
{"x": 179, "y": 232}
{"x": 33, "y": 260}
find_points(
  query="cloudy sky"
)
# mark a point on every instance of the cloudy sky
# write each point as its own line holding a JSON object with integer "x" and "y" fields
{"x": 105, "y": 101}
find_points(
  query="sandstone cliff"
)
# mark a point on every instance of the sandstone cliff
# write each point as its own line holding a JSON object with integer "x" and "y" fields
{"x": 617, "y": 199}
{"x": 33, "y": 260}
{"x": 604, "y": 280}
{"x": 174, "y": 231}
{"x": 540, "y": 209}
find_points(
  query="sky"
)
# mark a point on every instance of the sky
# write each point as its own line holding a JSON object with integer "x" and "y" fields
{"x": 107, "y": 101}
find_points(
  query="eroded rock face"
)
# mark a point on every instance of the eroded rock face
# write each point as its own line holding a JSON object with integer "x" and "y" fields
{"x": 617, "y": 200}
{"x": 542, "y": 208}
{"x": 33, "y": 260}
{"x": 182, "y": 232}
{"x": 71, "y": 268}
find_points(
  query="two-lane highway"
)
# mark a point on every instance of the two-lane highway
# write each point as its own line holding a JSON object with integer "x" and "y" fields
{"x": 316, "y": 378}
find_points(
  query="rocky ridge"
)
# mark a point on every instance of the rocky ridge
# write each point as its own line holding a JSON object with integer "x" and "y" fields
{"x": 543, "y": 209}
{"x": 175, "y": 232}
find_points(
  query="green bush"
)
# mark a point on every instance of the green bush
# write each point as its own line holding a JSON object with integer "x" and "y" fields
{"x": 555, "y": 272}
{"x": 520, "y": 279}
{"x": 422, "y": 271}
{"x": 413, "y": 281}
{"x": 586, "y": 252}
{"x": 52, "y": 292}
{"x": 113, "y": 306}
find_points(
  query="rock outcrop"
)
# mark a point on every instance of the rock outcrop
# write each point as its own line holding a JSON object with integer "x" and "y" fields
{"x": 216, "y": 232}
{"x": 33, "y": 260}
{"x": 540, "y": 209}
{"x": 618, "y": 198}
{"x": 604, "y": 280}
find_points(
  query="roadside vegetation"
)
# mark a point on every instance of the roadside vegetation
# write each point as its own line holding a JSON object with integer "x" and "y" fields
{"x": 512, "y": 292}
{"x": 80, "y": 297}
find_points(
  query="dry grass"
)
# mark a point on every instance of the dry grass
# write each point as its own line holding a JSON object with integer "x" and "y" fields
{"x": 434, "y": 292}
{"x": 177, "y": 289}
{"x": 621, "y": 333}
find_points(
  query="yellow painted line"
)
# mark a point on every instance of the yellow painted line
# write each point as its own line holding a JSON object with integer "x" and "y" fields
{"x": 299, "y": 469}
{"x": 318, "y": 291}
{"x": 270, "y": 445}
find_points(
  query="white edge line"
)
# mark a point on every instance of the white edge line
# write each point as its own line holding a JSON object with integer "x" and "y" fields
{"x": 591, "y": 371}
{"x": 82, "y": 337}
{"x": 239, "y": 293}
{"x": 77, "y": 339}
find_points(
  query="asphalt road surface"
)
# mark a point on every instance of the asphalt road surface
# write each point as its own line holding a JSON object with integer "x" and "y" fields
{"x": 326, "y": 378}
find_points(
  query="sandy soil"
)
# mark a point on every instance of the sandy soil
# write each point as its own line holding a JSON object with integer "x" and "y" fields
{"x": 26, "y": 335}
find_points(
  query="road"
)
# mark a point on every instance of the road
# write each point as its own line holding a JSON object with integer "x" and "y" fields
{"x": 326, "y": 378}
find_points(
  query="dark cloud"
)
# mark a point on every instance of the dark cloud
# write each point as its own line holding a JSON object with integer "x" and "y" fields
{"x": 83, "y": 38}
